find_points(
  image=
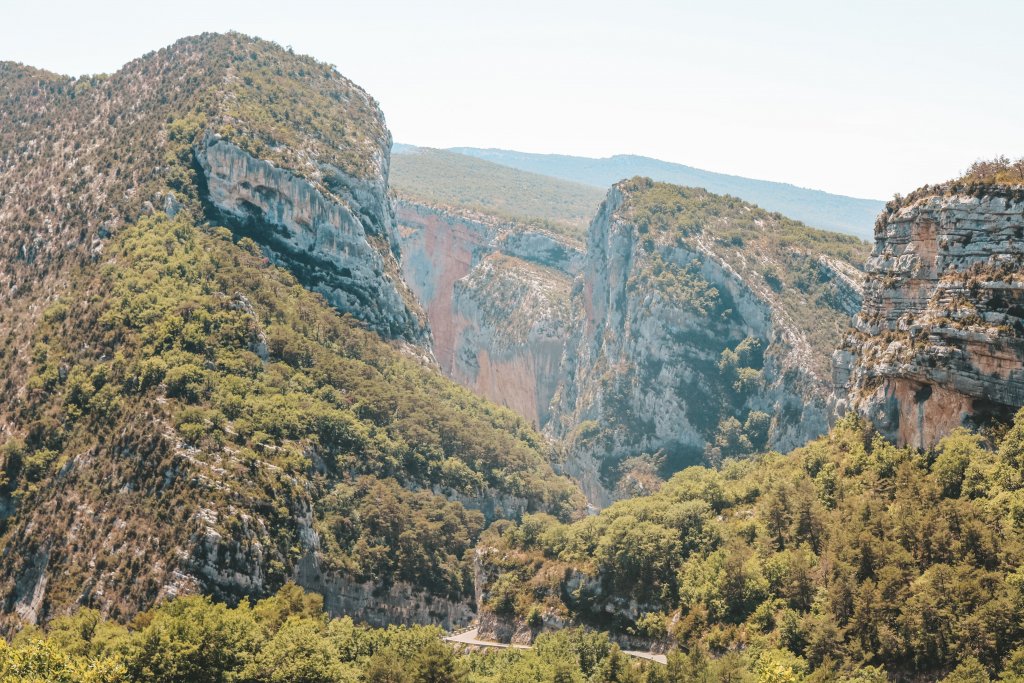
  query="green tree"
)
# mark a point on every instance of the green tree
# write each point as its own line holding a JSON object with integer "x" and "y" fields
{"x": 970, "y": 670}
{"x": 298, "y": 653}
{"x": 191, "y": 640}
{"x": 436, "y": 663}
{"x": 387, "y": 667}
{"x": 42, "y": 662}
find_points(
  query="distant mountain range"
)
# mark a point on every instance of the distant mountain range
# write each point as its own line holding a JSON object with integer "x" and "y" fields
{"x": 819, "y": 209}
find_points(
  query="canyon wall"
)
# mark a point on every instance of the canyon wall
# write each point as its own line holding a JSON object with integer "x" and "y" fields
{"x": 497, "y": 297}
{"x": 704, "y": 338}
{"x": 938, "y": 343}
{"x": 646, "y": 369}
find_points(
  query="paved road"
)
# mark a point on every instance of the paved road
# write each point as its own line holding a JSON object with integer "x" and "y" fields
{"x": 470, "y": 637}
{"x": 650, "y": 656}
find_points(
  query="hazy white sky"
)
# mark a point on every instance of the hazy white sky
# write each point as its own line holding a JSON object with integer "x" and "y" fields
{"x": 864, "y": 98}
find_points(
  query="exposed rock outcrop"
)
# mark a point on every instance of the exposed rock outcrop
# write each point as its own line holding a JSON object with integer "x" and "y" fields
{"x": 340, "y": 241}
{"x": 377, "y": 605}
{"x": 938, "y": 343}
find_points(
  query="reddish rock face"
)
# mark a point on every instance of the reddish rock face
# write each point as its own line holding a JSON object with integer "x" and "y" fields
{"x": 938, "y": 343}
{"x": 497, "y": 298}
{"x": 438, "y": 251}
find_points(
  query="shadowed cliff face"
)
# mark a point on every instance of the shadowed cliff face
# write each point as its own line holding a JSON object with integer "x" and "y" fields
{"x": 938, "y": 343}
{"x": 339, "y": 240}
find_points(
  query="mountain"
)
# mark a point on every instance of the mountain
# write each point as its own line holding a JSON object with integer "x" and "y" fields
{"x": 442, "y": 178}
{"x": 939, "y": 343}
{"x": 820, "y": 209}
{"x": 215, "y": 378}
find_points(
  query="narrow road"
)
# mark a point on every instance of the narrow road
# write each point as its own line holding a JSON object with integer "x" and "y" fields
{"x": 650, "y": 656}
{"x": 470, "y": 638}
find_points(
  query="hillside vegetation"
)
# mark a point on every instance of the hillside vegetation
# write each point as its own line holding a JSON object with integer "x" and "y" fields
{"x": 845, "y": 560}
{"x": 1000, "y": 170}
{"x": 192, "y": 375}
{"x": 179, "y": 415}
{"x": 288, "y": 638}
{"x": 846, "y": 553}
{"x": 447, "y": 179}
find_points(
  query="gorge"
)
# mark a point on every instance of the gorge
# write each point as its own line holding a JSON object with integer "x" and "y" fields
{"x": 262, "y": 376}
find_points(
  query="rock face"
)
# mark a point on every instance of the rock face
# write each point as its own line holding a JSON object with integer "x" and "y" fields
{"x": 938, "y": 342}
{"x": 497, "y": 298}
{"x": 340, "y": 241}
{"x": 370, "y": 603}
{"x": 656, "y": 315}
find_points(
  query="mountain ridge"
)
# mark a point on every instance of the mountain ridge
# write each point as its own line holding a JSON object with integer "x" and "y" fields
{"x": 817, "y": 208}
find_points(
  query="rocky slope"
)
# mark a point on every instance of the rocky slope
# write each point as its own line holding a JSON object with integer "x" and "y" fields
{"x": 339, "y": 239}
{"x": 938, "y": 343}
{"x": 702, "y": 330}
{"x": 180, "y": 412}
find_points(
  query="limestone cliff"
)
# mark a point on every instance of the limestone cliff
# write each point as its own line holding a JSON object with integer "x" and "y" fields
{"x": 938, "y": 343}
{"x": 339, "y": 239}
{"x": 497, "y": 297}
{"x": 694, "y": 335}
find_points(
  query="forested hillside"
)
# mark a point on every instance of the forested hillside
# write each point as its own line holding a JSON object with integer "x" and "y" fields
{"x": 846, "y": 560}
{"x": 287, "y": 638}
{"x": 846, "y": 553}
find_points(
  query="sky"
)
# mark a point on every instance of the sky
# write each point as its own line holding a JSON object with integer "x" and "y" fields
{"x": 861, "y": 98}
